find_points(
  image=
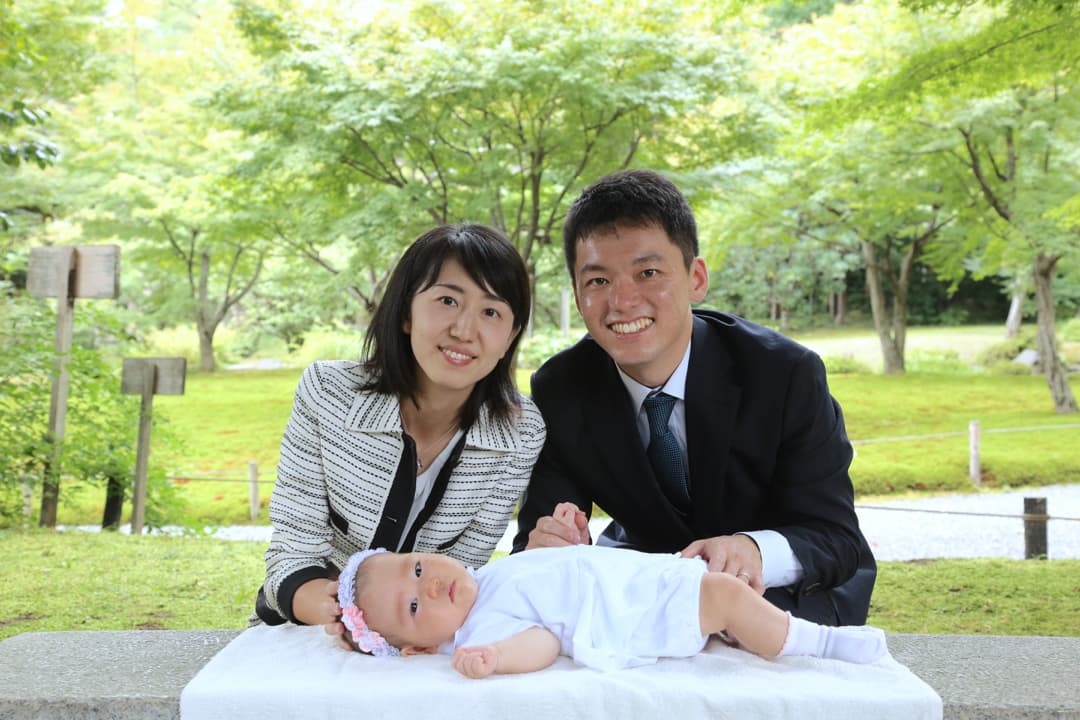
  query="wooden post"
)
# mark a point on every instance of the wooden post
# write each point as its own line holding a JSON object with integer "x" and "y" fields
{"x": 253, "y": 490}
{"x": 147, "y": 377}
{"x": 1035, "y": 518}
{"x": 974, "y": 469}
{"x": 66, "y": 273}
{"x": 142, "y": 449}
{"x": 63, "y": 266}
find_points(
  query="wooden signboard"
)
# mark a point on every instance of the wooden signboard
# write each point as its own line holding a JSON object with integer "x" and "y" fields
{"x": 96, "y": 272}
{"x": 67, "y": 273}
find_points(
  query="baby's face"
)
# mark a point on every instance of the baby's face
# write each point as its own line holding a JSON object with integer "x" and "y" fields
{"x": 419, "y": 598}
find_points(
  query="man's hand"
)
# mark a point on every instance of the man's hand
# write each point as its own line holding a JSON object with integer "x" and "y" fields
{"x": 315, "y": 603}
{"x": 476, "y": 662}
{"x": 736, "y": 555}
{"x": 567, "y": 525}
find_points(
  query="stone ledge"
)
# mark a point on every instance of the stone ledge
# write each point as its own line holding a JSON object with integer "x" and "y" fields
{"x": 139, "y": 674}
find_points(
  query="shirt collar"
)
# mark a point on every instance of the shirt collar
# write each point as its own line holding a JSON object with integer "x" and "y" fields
{"x": 675, "y": 385}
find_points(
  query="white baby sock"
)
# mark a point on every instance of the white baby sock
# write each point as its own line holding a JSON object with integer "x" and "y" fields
{"x": 851, "y": 643}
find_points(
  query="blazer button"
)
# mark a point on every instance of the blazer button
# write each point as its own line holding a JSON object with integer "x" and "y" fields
{"x": 811, "y": 589}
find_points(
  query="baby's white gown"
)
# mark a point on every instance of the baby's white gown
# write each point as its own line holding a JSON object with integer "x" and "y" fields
{"x": 610, "y": 608}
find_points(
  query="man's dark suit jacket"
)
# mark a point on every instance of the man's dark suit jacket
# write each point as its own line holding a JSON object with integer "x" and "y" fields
{"x": 767, "y": 451}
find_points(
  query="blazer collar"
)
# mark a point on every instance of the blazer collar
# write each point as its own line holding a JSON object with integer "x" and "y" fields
{"x": 379, "y": 413}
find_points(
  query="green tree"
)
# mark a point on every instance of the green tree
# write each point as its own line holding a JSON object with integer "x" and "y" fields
{"x": 161, "y": 175}
{"x": 1022, "y": 161}
{"x": 494, "y": 112}
{"x": 47, "y": 58}
{"x": 865, "y": 186}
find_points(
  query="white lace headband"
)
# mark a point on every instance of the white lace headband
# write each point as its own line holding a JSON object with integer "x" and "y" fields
{"x": 365, "y": 638}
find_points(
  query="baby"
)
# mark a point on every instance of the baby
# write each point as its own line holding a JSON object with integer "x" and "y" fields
{"x": 606, "y": 608}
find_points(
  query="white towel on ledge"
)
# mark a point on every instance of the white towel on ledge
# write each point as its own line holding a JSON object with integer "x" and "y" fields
{"x": 298, "y": 672}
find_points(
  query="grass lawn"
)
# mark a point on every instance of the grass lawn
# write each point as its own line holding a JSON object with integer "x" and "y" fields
{"x": 87, "y": 581}
{"x": 227, "y": 419}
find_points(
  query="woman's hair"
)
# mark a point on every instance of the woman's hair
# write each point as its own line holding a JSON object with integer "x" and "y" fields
{"x": 495, "y": 265}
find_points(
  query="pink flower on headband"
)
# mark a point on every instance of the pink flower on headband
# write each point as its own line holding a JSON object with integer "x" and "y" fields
{"x": 365, "y": 638}
{"x": 353, "y": 617}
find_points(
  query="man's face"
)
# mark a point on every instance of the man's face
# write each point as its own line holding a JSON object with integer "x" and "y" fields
{"x": 634, "y": 292}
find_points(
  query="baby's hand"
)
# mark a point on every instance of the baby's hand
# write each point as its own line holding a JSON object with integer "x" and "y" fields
{"x": 476, "y": 662}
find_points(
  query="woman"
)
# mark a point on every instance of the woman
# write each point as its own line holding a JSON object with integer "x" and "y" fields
{"x": 426, "y": 445}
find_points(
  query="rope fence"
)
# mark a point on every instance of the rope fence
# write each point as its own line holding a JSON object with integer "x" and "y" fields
{"x": 1034, "y": 516}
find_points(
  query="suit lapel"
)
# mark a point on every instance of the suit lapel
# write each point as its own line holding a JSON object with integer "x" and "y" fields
{"x": 712, "y": 403}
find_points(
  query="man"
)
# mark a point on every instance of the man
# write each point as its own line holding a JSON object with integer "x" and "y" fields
{"x": 749, "y": 470}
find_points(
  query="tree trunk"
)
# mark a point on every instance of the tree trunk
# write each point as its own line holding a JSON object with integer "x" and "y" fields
{"x": 207, "y": 363}
{"x": 205, "y": 325}
{"x": 840, "y": 307}
{"x": 892, "y": 357}
{"x": 114, "y": 504}
{"x": 1016, "y": 307}
{"x": 1056, "y": 376}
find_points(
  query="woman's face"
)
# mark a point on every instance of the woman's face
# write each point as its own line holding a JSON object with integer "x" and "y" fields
{"x": 458, "y": 332}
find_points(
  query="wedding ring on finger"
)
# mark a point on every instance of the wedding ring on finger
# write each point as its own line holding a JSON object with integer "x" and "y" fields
{"x": 743, "y": 574}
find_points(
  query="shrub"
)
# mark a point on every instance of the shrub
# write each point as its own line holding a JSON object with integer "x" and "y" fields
{"x": 1008, "y": 367}
{"x": 101, "y": 422}
{"x": 945, "y": 362}
{"x": 1007, "y": 349}
{"x": 845, "y": 365}
{"x": 533, "y": 351}
{"x": 344, "y": 344}
{"x": 183, "y": 341}
{"x": 1070, "y": 330}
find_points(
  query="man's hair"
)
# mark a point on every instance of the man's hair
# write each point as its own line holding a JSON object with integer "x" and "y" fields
{"x": 495, "y": 265}
{"x": 630, "y": 198}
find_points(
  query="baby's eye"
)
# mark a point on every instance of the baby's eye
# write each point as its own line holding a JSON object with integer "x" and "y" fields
{"x": 417, "y": 569}
{"x": 412, "y": 607}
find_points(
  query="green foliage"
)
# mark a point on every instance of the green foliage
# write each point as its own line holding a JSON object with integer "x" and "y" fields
{"x": 1070, "y": 331}
{"x": 1008, "y": 367}
{"x": 183, "y": 341}
{"x": 993, "y": 45}
{"x": 844, "y": 365}
{"x": 936, "y": 361}
{"x": 46, "y": 58}
{"x": 534, "y": 350}
{"x": 1007, "y": 350}
{"x": 370, "y": 130}
{"x": 101, "y": 423}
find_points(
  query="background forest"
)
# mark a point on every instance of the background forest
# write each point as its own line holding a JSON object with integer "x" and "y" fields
{"x": 262, "y": 163}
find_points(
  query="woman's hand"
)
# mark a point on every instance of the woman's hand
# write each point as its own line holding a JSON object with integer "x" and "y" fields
{"x": 315, "y": 603}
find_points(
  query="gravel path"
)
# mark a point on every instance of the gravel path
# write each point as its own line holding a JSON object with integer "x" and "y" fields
{"x": 898, "y": 535}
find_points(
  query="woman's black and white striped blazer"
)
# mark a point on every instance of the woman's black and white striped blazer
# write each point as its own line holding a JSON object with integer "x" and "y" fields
{"x": 339, "y": 455}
